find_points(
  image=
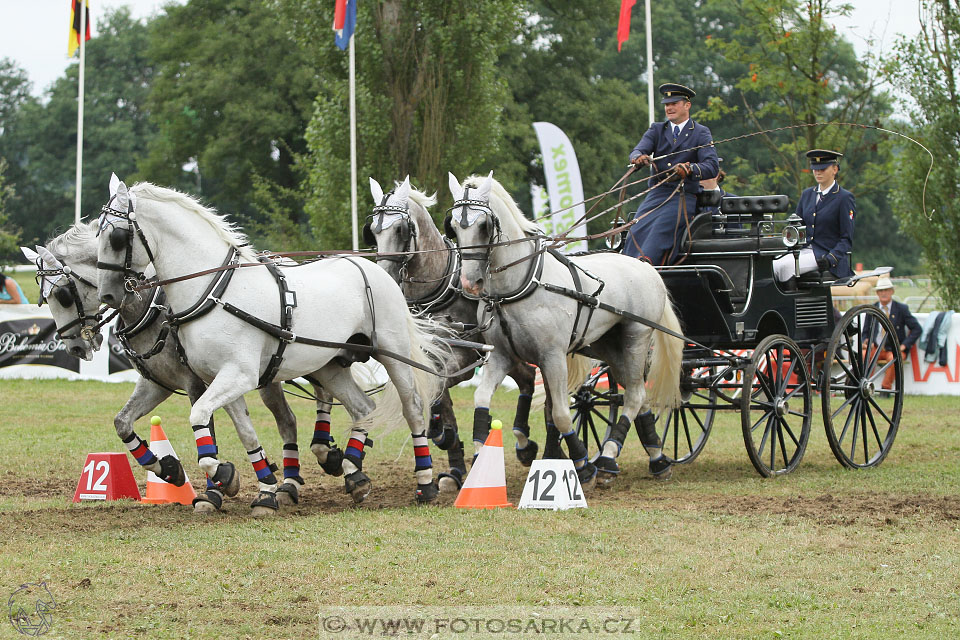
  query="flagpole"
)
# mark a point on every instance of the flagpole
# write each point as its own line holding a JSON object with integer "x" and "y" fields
{"x": 83, "y": 50}
{"x": 649, "y": 63}
{"x": 353, "y": 147}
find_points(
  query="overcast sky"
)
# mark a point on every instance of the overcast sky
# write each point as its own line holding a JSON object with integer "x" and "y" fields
{"x": 34, "y": 32}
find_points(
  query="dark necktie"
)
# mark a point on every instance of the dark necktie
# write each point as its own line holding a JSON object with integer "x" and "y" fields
{"x": 676, "y": 132}
{"x": 819, "y": 197}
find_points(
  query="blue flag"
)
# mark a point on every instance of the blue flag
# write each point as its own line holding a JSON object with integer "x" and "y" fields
{"x": 349, "y": 24}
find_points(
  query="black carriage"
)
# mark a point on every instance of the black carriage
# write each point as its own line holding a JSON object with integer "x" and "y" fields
{"x": 762, "y": 350}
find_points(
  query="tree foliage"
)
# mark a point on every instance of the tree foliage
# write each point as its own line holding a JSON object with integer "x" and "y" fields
{"x": 927, "y": 68}
{"x": 429, "y": 97}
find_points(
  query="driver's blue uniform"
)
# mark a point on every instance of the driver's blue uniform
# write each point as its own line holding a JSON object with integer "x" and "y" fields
{"x": 655, "y": 235}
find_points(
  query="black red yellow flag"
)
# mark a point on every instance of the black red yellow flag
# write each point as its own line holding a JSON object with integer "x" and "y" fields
{"x": 74, "y": 42}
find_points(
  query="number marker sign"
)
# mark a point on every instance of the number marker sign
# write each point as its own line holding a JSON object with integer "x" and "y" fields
{"x": 552, "y": 484}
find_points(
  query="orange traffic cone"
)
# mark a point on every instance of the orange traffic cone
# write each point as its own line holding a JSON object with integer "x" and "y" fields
{"x": 158, "y": 491}
{"x": 486, "y": 485}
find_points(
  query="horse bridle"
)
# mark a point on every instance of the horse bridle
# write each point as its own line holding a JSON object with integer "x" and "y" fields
{"x": 122, "y": 239}
{"x": 410, "y": 227}
{"x": 67, "y": 295}
{"x": 464, "y": 204}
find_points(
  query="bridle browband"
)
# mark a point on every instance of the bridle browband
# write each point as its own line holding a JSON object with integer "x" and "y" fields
{"x": 464, "y": 204}
{"x": 121, "y": 238}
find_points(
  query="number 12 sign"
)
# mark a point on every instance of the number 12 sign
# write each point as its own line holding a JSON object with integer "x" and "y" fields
{"x": 552, "y": 484}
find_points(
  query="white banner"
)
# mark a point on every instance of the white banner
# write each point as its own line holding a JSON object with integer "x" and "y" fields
{"x": 929, "y": 378}
{"x": 29, "y": 348}
{"x": 562, "y": 171}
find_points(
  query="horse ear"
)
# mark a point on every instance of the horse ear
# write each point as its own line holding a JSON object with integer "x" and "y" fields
{"x": 403, "y": 190}
{"x": 30, "y": 254}
{"x": 455, "y": 189}
{"x": 376, "y": 191}
{"x": 486, "y": 185}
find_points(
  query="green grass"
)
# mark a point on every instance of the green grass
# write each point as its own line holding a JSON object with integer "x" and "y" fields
{"x": 714, "y": 552}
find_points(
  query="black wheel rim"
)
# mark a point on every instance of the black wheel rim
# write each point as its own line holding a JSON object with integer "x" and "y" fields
{"x": 775, "y": 407}
{"x": 860, "y": 419}
{"x": 596, "y": 410}
{"x": 684, "y": 431}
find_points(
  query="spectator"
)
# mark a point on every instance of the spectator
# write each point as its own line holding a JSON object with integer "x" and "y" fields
{"x": 10, "y": 291}
{"x": 902, "y": 319}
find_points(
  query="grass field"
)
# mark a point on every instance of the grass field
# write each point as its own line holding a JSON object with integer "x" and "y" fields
{"x": 714, "y": 552}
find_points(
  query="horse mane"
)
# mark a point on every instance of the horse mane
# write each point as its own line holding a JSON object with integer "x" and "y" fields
{"x": 227, "y": 230}
{"x": 424, "y": 202}
{"x": 79, "y": 242}
{"x": 506, "y": 209}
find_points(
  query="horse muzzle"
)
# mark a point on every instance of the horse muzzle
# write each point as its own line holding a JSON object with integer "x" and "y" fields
{"x": 473, "y": 288}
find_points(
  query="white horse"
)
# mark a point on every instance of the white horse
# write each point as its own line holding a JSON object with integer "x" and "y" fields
{"x": 274, "y": 323}
{"x": 67, "y": 268}
{"x": 543, "y": 313}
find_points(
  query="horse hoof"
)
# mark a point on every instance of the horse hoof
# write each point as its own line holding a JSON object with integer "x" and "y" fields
{"x": 588, "y": 477}
{"x": 528, "y": 454}
{"x": 265, "y": 504}
{"x": 450, "y": 482}
{"x": 607, "y": 470}
{"x": 209, "y": 501}
{"x": 171, "y": 471}
{"x": 358, "y": 485}
{"x": 427, "y": 493}
{"x": 288, "y": 494}
{"x": 227, "y": 479}
{"x": 661, "y": 468}
{"x": 333, "y": 465}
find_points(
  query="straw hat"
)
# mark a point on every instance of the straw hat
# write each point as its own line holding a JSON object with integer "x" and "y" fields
{"x": 884, "y": 283}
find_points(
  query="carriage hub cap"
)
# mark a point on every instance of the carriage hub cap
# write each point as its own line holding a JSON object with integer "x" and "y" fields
{"x": 782, "y": 407}
{"x": 867, "y": 388}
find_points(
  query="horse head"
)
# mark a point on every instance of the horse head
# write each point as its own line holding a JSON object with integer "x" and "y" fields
{"x": 474, "y": 226}
{"x": 390, "y": 227}
{"x": 122, "y": 252}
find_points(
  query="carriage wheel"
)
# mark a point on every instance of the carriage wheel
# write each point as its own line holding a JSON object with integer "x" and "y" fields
{"x": 684, "y": 430}
{"x": 775, "y": 406}
{"x": 595, "y": 406}
{"x": 861, "y": 420}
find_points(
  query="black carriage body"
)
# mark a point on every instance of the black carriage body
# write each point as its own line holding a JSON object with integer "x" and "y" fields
{"x": 724, "y": 289}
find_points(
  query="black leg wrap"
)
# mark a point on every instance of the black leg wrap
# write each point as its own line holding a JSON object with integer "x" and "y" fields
{"x": 575, "y": 447}
{"x": 446, "y": 438}
{"x": 646, "y": 424}
{"x": 661, "y": 468}
{"x": 481, "y": 424}
{"x": 290, "y": 488}
{"x": 455, "y": 474}
{"x": 172, "y": 471}
{"x": 427, "y": 493}
{"x": 265, "y": 499}
{"x": 521, "y": 419}
{"x": 455, "y": 457}
{"x": 435, "y": 426}
{"x": 551, "y": 450}
{"x": 211, "y": 496}
{"x": 226, "y": 479}
{"x": 358, "y": 485}
{"x": 618, "y": 432}
{"x": 334, "y": 462}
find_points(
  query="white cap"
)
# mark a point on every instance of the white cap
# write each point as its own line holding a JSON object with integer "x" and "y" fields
{"x": 884, "y": 283}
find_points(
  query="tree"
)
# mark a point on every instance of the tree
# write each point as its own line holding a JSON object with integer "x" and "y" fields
{"x": 429, "y": 97}
{"x": 9, "y": 239}
{"x": 231, "y": 99}
{"x": 40, "y": 142}
{"x": 927, "y": 68}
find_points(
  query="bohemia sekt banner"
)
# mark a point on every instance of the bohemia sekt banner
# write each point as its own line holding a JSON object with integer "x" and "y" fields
{"x": 30, "y": 348}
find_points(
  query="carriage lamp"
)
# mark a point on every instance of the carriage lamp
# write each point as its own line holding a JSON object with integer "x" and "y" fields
{"x": 615, "y": 241}
{"x": 795, "y": 232}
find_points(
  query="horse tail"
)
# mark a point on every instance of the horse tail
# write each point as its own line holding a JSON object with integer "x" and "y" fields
{"x": 664, "y": 372}
{"x": 578, "y": 368}
{"x": 426, "y": 350}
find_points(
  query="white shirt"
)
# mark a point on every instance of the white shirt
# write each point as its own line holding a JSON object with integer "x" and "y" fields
{"x": 681, "y": 125}
{"x": 821, "y": 192}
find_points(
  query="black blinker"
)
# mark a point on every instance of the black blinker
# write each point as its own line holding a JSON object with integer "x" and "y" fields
{"x": 368, "y": 236}
{"x": 64, "y": 296}
{"x": 448, "y": 227}
{"x": 118, "y": 239}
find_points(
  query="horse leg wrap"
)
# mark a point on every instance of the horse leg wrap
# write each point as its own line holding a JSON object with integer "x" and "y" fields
{"x": 421, "y": 453}
{"x": 140, "y": 450}
{"x": 172, "y": 471}
{"x": 358, "y": 485}
{"x": 267, "y": 499}
{"x": 262, "y": 467}
{"x": 607, "y": 460}
{"x": 435, "y": 427}
{"x": 578, "y": 452}
{"x": 321, "y": 430}
{"x": 355, "y": 447}
{"x": 291, "y": 489}
{"x": 481, "y": 425}
{"x": 210, "y": 496}
{"x": 551, "y": 450}
{"x": 207, "y": 451}
{"x": 646, "y": 424}
{"x": 333, "y": 463}
{"x": 226, "y": 479}
{"x": 291, "y": 463}
{"x": 427, "y": 493}
{"x": 520, "y": 427}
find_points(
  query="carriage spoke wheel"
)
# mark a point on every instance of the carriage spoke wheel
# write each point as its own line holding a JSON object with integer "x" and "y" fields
{"x": 596, "y": 409}
{"x": 775, "y": 406}
{"x": 860, "y": 418}
{"x": 684, "y": 430}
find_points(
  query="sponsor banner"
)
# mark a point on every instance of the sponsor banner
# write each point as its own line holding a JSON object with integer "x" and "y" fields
{"x": 562, "y": 171}
{"x": 923, "y": 377}
{"x": 30, "y": 348}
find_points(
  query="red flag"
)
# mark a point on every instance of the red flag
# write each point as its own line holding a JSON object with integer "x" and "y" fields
{"x": 339, "y": 14}
{"x": 623, "y": 29}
